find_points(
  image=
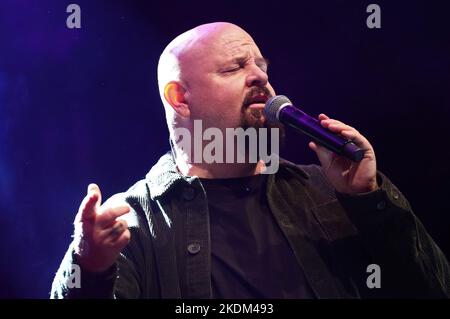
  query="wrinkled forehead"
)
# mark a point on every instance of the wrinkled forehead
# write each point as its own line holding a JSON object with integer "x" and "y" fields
{"x": 219, "y": 46}
{"x": 229, "y": 41}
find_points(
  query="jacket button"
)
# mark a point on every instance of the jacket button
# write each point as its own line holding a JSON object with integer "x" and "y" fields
{"x": 189, "y": 193}
{"x": 193, "y": 248}
{"x": 381, "y": 205}
{"x": 395, "y": 195}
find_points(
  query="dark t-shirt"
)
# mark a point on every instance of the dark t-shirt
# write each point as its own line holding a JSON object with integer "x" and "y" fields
{"x": 251, "y": 257}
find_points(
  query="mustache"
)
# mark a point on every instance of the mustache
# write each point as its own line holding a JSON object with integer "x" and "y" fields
{"x": 254, "y": 92}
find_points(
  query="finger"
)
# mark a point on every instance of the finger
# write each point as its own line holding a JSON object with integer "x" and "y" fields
{"x": 94, "y": 188}
{"x": 325, "y": 156}
{"x": 333, "y": 123}
{"x": 113, "y": 237}
{"x": 323, "y": 117}
{"x": 108, "y": 216}
{"x": 88, "y": 206}
{"x": 123, "y": 240}
{"x": 338, "y": 127}
{"x": 357, "y": 138}
{"x": 328, "y": 122}
{"x": 113, "y": 233}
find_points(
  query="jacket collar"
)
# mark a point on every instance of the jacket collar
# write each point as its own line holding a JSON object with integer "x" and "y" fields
{"x": 164, "y": 175}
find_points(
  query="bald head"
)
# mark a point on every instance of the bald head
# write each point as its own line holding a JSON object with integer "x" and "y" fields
{"x": 185, "y": 48}
{"x": 209, "y": 73}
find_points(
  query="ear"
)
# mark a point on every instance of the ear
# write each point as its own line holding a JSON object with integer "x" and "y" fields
{"x": 174, "y": 93}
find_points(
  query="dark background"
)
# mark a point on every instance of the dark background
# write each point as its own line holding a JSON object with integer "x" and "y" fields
{"x": 81, "y": 106}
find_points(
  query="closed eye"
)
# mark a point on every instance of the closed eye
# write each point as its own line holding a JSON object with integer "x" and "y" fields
{"x": 233, "y": 69}
{"x": 262, "y": 63}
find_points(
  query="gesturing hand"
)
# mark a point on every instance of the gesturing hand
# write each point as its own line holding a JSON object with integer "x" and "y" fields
{"x": 346, "y": 176}
{"x": 99, "y": 237}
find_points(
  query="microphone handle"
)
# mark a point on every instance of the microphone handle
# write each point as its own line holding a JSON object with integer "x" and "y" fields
{"x": 292, "y": 116}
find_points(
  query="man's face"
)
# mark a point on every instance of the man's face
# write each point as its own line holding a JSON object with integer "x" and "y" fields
{"x": 226, "y": 80}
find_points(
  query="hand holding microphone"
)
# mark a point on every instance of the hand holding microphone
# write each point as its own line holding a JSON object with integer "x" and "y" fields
{"x": 347, "y": 157}
{"x": 280, "y": 109}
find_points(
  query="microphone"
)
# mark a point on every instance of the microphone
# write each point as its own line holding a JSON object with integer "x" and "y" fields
{"x": 280, "y": 109}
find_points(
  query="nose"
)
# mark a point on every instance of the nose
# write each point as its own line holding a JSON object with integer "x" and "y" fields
{"x": 256, "y": 77}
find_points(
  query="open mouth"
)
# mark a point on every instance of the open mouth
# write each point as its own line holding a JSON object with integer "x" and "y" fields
{"x": 257, "y": 101}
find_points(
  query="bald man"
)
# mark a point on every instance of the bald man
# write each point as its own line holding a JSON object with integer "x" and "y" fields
{"x": 200, "y": 229}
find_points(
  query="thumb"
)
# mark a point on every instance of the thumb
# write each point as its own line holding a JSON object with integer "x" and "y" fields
{"x": 93, "y": 188}
{"x": 325, "y": 156}
{"x": 91, "y": 202}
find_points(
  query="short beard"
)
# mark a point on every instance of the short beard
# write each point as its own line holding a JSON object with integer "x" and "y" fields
{"x": 252, "y": 117}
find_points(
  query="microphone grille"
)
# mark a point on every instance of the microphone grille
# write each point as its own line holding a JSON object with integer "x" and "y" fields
{"x": 273, "y": 105}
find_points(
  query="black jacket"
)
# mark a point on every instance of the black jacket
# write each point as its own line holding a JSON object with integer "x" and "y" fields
{"x": 334, "y": 238}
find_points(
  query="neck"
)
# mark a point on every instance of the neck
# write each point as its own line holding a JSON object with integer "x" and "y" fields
{"x": 188, "y": 166}
{"x": 214, "y": 170}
